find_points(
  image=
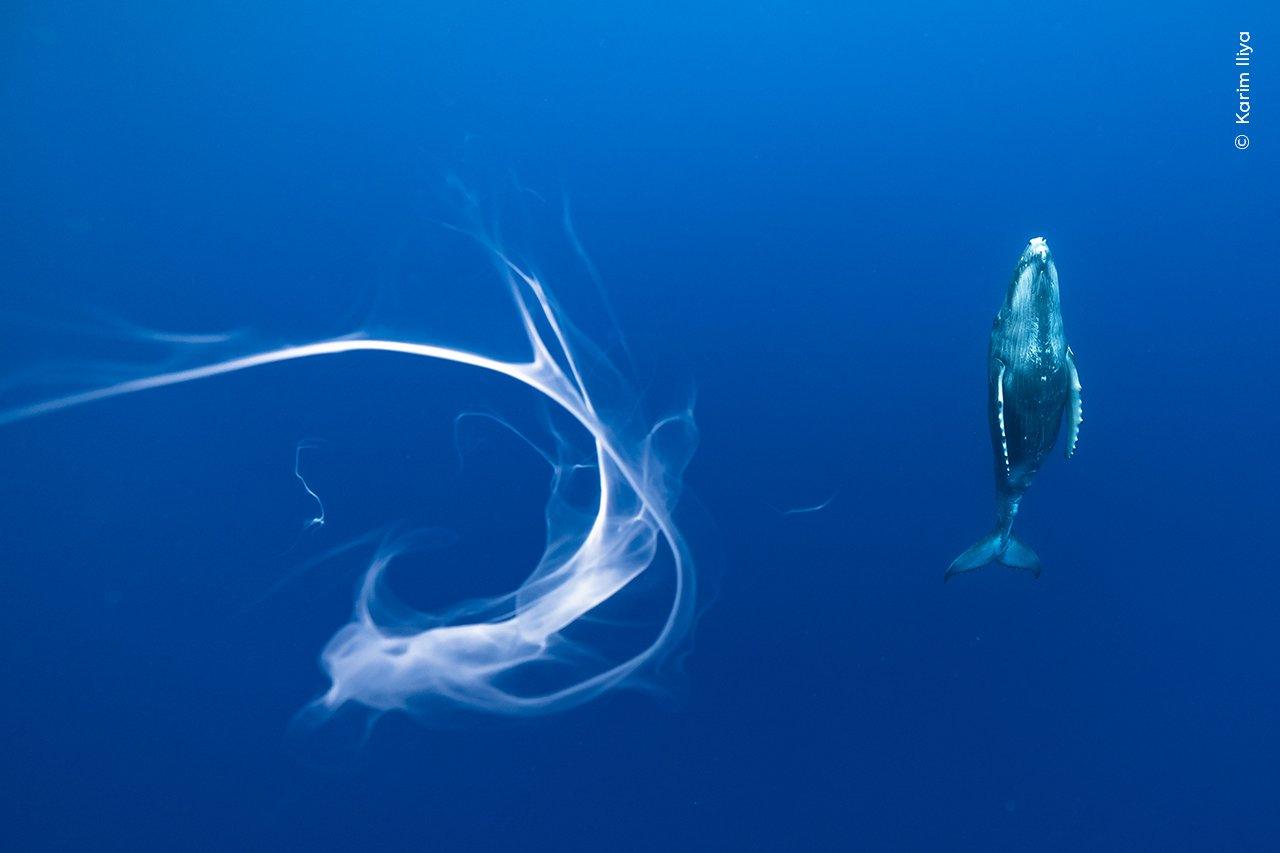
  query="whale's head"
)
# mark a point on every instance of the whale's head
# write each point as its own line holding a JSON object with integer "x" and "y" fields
{"x": 1035, "y": 280}
{"x": 1036, "y": 255}
{"x": 1035, "y": 266}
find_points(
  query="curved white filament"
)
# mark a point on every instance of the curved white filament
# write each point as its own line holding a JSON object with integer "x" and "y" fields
{"x": 471, "y": 657}
{"x": 315, "y": 520}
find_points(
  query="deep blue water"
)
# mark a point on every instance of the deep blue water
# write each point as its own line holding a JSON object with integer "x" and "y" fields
{"x": 805, "y": 213}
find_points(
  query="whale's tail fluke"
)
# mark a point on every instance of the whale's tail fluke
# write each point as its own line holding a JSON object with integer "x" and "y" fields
{"x": 997, "y": 547}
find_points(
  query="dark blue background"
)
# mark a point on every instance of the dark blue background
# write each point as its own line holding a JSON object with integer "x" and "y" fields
{"x": 806, "y": 211}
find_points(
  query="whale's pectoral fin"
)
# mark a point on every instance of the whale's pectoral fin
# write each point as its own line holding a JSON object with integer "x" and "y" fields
{"x": 1004, "y": 439}
{"x": 1075, "y": 405}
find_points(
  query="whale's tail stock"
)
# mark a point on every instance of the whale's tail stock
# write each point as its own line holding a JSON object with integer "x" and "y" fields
{"x": 997, "y": 547}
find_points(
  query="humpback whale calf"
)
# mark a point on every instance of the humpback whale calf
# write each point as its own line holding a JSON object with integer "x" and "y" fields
{"x": 1031, "y": 384}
